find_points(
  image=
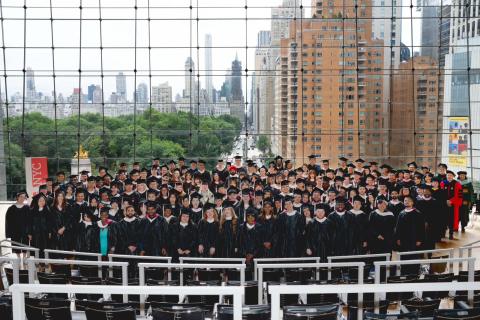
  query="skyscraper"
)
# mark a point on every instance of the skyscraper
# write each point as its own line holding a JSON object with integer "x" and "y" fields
{"x": 121, "y": 81}
{"x": 91, "y": 88}
{"x": 190, "y": 83}
{"x": 237, "y": 102}
{"x": 208, "y": 67}
{"x": 141, "y": 94}
{"x": 31, "y": 93}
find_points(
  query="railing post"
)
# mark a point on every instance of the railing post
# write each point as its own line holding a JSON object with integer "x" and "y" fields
{"x": 471, "y": 278}
{"x": 36, "y": 253}
{"x": 18, "y": 304}
{"x": 47, "y": 254}
{"x": 124, "y": 280}
{"x": 460, "y": 255}
{"x": 377, "y": 281}
{"x": 360, "y": 294}
{"x": 255, "y": 271}
{"x": 260, "y": 284}
{"x": 141, "y": 282}
{"x": 16, "y": 270}
{"x": 31, "y": 273}
{"x": 275, "y": 300}
{"x": 237, "y": 306}
{"x": 110, "y": 268}
{"x": 100, "y": 274}
{"x": 451, "y": 254}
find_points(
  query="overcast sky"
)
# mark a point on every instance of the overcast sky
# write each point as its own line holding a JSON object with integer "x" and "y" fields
{"x": 175, "y": 33}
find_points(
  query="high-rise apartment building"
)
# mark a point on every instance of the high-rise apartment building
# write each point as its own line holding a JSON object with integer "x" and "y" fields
{"x": 121, "y": 85}
{"x": 415, "y": 114}
{"x": 330, "y": 89}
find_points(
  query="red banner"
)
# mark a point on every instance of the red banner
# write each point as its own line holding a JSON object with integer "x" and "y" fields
{"x": 36, "y": 172}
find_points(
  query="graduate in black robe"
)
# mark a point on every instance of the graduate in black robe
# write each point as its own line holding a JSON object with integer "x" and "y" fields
{"x": 17, "y": 219}
{"x": 319, "y": 235}
{"x": 154, "y": 230}
{"x": 41, "y": 224}
{"x": 250, "y": 239}
{"x": 79, "y": 207}
{"x": 360, "y": 230}
{"x": 429, "y": 207}
{"x": 63, "y": 224}
{"x": 86, "y": 235}
{"x": 343, "y": 223}
{"x": 381, "y": 227}
{"x": 208, "y": 236}
{"x": 228, "y": 233}
{"x": 410, "y": 228}
{"x": 410, "y": 233}
{"x": 171, "y": 221}
{"x": 441, "y": 196}
{"x": 128, "y": 233}
{"x": 395, "y": 206}
{"x": 291, "y": 225}
{"x": 268, "y": 221}
{"x": 196, "y": 211}
{"x": 185, "y": 236}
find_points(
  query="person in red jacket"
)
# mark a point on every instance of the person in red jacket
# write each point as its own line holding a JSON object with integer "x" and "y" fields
{"x": 453, "y": 192}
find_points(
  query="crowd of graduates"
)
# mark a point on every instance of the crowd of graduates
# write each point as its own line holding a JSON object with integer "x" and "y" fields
{"x": 240, "y": 209}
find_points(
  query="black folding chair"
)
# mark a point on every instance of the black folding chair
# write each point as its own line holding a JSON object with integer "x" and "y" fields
{"x": 251, "y": 292}
{"x": 390, "y": 316}
{"x": 22, "y": 276}
{"x": 367, "y": 306}
{"x": 53, "y": 278}
{"x": 161, "y": 297}
{"x": 425, "y": 308}
{"x": 257, "y": 312}
{"x": 6, "y": 307}
{"x": 396, "y": 296}
{"x": 178, "y": 313}
{"x": 118, "y": 282}
{"x": 449, "y": 314}
{"x": 441, "y": 277}
{"x": 311, "y": 312}
{"x": 47, "y": 309}
{"x": 110, "y": 314}
{"x": 89, "y": 282}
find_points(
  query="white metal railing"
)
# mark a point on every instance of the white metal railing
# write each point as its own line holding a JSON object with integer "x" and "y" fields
{"x": 449, "y": 251}
{"x": 182, "y": 266}
{"x": 32, "y": 270}
{"x": 19, "y": 246}
{"x": 111, "y": 258}
{"x": 276, "y": 290}
{"x": 317, "y": 266}
{"x": 379, "y": 264}
{"x": 469, "y": 250}
{"x": 15, "y": 262}
{"x": 385, "y": 256}
{"x": 258, "y": 261}
{"x": 18, "y": 293}
{"x": 209, "y": 260}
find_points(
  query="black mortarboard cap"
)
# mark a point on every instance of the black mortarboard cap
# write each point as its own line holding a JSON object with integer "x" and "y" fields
{"x": 443, "y": 165}
{"x": 451, "y": 172}
{"x": 128, "y": 181}
{"x": 360, "y": 160}
{"x": 343, "y": 159}
{"x": 413, "y": 163}
{"x": 462, "y": 172}
{"x": 22, "y": 192}
{"x": 312, "y": 156}
{"x": 237, "y": 157}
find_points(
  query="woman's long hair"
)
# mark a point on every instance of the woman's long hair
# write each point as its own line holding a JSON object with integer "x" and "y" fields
{"x": 55, "y": 201}
{"x": 234, "y": 219}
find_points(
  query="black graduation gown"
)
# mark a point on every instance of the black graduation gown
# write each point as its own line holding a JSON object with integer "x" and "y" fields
{"x": 76, "y": 211}
{"x": 319, "y": 238}
{"x": 290, "y": 231}
{"x": 381, "y": 225}
{"x": 249, "y": 240}
{"x": 17, "y": 223}
{"x": 196, "y": 215}
{"x": 360, "y": 232}
{"x": 127, "y": 234}
{"x": 208, "y": 235}
{"x": 169, "y": 239}
{"x": 441, "y": 196}
{"x": 269, "y": 234}
{"x": 132, "y": 198}
{"x": 227, "y": 240}
{"x": 409, "y": 230}
{"x": 42, "y": 228}
{"x": 112, "y": 237}
{"x": 431, "y": 213}
{"x": 343, "y": 226}
{"x": 184, "y": 238}
{"x": 153, "y": 236}
{"x": 87, "y": 239}
{"x": 395, "y": 208}
{"x": 116, "y": 216}
{"x": 63, "y": 219}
